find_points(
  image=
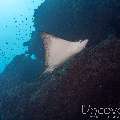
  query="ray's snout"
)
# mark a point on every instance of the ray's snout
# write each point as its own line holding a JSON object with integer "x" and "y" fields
{"x": 84, "y": 43}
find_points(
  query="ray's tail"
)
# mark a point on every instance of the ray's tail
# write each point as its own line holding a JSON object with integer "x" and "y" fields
{"x": 46, "y": 72}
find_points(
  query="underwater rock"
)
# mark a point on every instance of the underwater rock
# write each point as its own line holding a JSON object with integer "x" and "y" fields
{"x": 80, "y": 19}
{"x": 90, "y": 78}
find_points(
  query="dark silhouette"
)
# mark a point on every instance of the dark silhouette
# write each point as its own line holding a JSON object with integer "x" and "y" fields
{"x": 91, "y": 77}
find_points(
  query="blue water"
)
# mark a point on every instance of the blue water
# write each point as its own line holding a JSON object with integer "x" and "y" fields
{"x": 16, "y": 26}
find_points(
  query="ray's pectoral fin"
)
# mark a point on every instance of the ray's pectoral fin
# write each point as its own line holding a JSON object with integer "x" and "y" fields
{"x": 58, "y": 50}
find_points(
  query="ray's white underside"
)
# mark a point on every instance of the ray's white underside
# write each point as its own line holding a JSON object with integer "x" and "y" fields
{"x": 58, "y": 50}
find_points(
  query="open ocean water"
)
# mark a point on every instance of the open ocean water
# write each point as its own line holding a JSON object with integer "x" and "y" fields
{"x": 16, "y": 26}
